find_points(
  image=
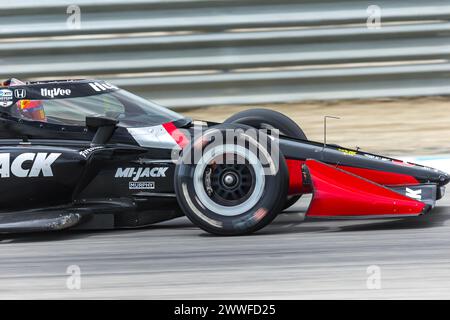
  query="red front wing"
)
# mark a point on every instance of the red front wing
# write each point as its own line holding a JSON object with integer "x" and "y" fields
{"x": 339, "y": 193}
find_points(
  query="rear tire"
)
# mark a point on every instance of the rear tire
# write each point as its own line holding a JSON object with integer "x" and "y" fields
{"x": 266, "y": 119}
{"x": 236, "y": 197}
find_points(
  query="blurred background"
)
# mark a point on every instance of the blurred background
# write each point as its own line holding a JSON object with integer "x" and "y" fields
{"x": 381, "y": 66}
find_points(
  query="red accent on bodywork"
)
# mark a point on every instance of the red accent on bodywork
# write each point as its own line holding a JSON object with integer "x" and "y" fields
{"x": 295, "y": 176}
{"x": 338, "y": 193}
{"x": 176, "y": 134}
{"x": 381, "y": 177}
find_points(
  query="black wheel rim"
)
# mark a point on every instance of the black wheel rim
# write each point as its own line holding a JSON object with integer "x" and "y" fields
{"x": 229, "y": 184}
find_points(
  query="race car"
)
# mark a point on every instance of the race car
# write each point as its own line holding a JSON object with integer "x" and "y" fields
{"x": 85, "y": 154}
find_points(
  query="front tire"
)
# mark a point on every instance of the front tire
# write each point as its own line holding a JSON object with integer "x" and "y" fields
{"x": 229, "y": 191}
{"x": 268, "y": 119}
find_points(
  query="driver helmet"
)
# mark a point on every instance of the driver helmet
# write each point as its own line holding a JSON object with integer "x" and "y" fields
{"x": 32, "y": 110}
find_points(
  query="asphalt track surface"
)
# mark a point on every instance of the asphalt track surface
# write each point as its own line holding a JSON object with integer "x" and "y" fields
{"x": 291, "y": 259}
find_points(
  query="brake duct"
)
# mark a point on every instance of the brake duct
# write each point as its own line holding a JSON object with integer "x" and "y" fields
{"x": 337, "y": 193}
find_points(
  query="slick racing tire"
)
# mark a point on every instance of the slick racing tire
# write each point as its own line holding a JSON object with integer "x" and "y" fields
{"x": 231, "y": 188}
{"x": 269, "y": 119}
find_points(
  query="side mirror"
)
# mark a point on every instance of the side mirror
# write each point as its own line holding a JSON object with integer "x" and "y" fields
{"x": 104, "y": 128}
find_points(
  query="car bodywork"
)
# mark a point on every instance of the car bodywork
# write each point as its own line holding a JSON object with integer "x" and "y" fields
{"x": 101, "y": 158}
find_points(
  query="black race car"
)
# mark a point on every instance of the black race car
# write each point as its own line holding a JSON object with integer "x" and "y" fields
{"x": 84, "y": 154}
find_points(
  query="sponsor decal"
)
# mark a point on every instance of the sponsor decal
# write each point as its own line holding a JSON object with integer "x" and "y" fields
{"x": 20, "y": 93}
{"x": 6, "y": 97}
{"x": 138, "y": 173}
{"x": 147, "y": 185}
{"x": 55, "y": 92}
{"x": 85, "y": 153}
{"x": 415, "y": 194}
{"x": 40, "y": 164}
{"x": 349, "y": 152}
{"x": 99, "y": 87}
{"x": 371, "y": 156}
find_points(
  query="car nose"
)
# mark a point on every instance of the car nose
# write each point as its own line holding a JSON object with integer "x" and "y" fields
{"x": 444, "y": 178}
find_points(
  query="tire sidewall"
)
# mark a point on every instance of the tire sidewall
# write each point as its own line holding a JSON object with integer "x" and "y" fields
{"x": 286, "y": 126}
{"x": 263, "y": 212}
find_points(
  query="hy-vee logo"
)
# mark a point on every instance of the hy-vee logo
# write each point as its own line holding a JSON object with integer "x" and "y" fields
{"x": 137, "y": 173}
{"x": 55, "y": 92}
{"x": 99, "y": 87}
{"x": 38, "y": 163}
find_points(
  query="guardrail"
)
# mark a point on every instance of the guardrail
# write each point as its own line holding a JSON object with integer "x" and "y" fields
{"x": 186, "y": 53}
